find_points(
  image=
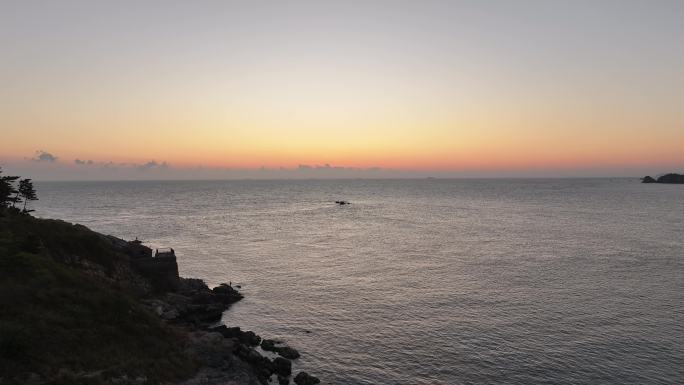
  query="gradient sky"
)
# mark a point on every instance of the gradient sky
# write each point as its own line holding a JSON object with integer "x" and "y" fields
{"x": 452, "y": 88}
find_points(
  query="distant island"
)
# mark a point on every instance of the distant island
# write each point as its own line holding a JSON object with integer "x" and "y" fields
{"x": 667, "y": 178}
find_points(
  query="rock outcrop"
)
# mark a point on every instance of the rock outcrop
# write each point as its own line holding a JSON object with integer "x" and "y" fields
{"x": 277, "y": 347}
{"x": 667, "y": 178}
{"x": 304, "y": 378}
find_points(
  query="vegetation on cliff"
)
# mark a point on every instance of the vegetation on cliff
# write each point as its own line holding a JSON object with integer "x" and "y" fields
{"x": 80, "y": 307}
{"x": 13, "y": 192}
{"x": 69, "y": 314}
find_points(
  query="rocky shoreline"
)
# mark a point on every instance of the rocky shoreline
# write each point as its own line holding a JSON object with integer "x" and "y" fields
{"x": 80, "y": 307}
{"x": 227, "y": 355}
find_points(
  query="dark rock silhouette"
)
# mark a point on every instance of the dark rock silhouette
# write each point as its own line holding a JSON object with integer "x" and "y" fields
{"x": 288, "y": 352}
{"x": 342, "y": 203}
{"x": 268, "y": 345}
{"x": 667, "y": 178}
{"x": 283, "y": 367}
{"x": 304, "y": 378}
{"x": 671, "y": 178}
{"x": 284, "y": 351}
{"x": 192, "y": 302}
{"x": 226, "y": 293}
{"x": 260, "y": 364}
{"x": 245, "y": 337}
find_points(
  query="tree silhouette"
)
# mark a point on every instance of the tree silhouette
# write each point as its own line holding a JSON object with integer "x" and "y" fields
{"x": 7, "y": 189}
{"x": 27, "y": 192}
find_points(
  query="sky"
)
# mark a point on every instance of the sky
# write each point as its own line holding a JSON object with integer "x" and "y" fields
{"x": 258, "y": 89}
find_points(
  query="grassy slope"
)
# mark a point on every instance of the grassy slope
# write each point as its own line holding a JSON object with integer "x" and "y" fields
{"x": 56, "y": 317}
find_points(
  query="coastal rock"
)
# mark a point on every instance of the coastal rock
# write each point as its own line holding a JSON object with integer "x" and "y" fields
{"x": 671, "y": 178}
{"x": 226, "y": 293}
{"x": 260, "y": 364}
{"x": 667, "y": 178}
{"x": 193, "y": 302}
{"x": 283, "y": 367}
{"x": 246, "y": 337}
{"x": 268, "y": 345}
{"x": 284, "y": 351}
{"x": 203, "y": 313}
{"x": 192, "y": 285}
{"x": 304, "y": 378}
{"x": 248, "y": 354}
{"x": 227, "y": 332}
{"x": 287, "y": 352}
{"x": 249, "y": 338}
{"x": 213, "y": 350}
{"x": 283, "y": 380}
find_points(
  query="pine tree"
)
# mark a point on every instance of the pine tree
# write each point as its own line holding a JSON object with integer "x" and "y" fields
{"x": 7, "y": 189}
{"x": 27, "y": 191}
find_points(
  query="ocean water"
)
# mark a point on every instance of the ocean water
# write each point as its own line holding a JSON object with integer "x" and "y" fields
{"x": 558, "y": 281}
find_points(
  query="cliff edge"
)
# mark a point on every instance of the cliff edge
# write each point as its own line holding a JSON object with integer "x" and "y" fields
{"x": 79, "y": 307}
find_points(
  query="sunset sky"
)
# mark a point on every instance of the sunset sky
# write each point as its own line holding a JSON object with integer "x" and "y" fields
{"x": 152, "y": 89}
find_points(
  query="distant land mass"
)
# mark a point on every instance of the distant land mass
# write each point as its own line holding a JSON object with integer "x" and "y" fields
{"x": 667, "y": 178}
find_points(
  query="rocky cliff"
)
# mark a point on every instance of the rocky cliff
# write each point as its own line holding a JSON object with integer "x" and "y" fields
{"x": 79, "y": 307}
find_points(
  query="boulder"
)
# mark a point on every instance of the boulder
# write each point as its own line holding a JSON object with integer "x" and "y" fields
{"x": 249, "y": 338}
{"x": 226, "y": 294}
{"x": 248, "y": 354}
{"x": 227, "y": 332}
{"x": 648, "y": 179}
{"x": 283, "y": 367}
{"x": 287, "y": 352}
{"x": 203, "y": 313}
{"x": 211, "y": 348}
{"x": 264, "y": 367}
{"x": 268, "y": 345}
{"x": 304, "y": 378}
{"x": 246, "y": 337}
{"x": 283, "y": 380}
{"x": 284, "y": 351}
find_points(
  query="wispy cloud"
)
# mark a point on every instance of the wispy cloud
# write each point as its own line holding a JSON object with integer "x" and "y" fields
{"x": 110, "y": 165}
{"x": 328, "y": 167}
{"x": 44, "y": 156}
{"x": 152, "y": 165}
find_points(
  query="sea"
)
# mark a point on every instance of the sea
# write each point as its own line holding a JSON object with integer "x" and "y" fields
{"x": 426, "y": 281}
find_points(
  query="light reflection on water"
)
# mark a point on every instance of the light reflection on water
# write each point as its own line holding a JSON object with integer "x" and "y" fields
{"x": 428, "y": 281}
